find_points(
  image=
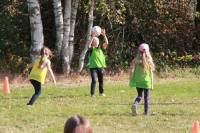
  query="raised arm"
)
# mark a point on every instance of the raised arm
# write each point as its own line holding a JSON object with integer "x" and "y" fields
{"x": 89, "y": 43}
{"x": 105, "y": 44}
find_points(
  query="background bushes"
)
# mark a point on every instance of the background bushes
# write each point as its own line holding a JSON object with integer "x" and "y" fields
{"x": 170, "y": 27}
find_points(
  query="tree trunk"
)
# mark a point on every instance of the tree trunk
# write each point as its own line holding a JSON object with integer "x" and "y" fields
{"x": 37, "y": 38}
{"x": 59, "y": 26}
{"x": 90, "y": 24}
{"x": 72, "y": 28}
{"x": 67, "y": 16}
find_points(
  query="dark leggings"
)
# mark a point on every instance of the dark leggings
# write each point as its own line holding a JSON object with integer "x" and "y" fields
{"x": 146, "y": 98}
{"x": 99, "y": 72}
{"x": 37, "y": 87}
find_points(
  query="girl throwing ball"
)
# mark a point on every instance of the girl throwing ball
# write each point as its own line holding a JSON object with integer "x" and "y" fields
{"x": 38, "y": 72}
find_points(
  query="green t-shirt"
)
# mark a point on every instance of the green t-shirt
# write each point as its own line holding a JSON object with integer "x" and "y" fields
{"x": 97, "y": 59}
{"x": 140, "y": 78}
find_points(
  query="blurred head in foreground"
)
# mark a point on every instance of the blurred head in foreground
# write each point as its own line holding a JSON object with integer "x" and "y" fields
{"x": 77, "y": 124}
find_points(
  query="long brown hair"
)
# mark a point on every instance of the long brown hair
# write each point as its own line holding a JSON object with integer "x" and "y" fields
{"x": 77, "y": 124}
{"x": 45, "y": 51}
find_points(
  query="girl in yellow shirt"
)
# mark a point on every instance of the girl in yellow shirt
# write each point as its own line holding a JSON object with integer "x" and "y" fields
{"x": 39, "y": 71}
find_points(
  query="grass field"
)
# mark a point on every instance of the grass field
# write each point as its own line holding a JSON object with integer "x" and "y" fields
{"x": 175, "y": 105}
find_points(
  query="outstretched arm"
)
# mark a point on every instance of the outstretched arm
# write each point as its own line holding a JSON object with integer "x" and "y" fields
{"x": 51, "y": 72}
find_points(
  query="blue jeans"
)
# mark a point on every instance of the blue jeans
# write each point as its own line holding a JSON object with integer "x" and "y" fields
{"x": 146, "y": 98}
{"x": 37, "y": 88}
{"x": 99, "y": 72}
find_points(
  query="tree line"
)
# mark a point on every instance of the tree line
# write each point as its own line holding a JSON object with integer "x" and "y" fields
{"x": 170, "y": 27}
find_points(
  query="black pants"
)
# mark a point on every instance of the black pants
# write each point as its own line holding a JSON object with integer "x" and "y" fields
{"x": 37, "y": 87}
{"x": 99, "y": 72}
{"x": 146, "y": 98}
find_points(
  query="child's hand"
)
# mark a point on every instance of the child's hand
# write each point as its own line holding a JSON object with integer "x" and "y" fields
{"x": 93, "y": 34}
{"x": 54, "y": 81}
{"x": 152, "y": 87}
{"x": 24, "y": 71}
{"x": 103, "y": 32}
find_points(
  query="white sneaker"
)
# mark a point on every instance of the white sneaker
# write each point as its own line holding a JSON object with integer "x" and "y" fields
{"x": 30, "y": 106}
{"x": 102, "y": 94}
{"x": 93, "y": 95}
{"x": 134, "y": 110}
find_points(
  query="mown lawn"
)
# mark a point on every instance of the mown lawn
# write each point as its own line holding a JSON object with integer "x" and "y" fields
{"x": 175, "y": 105}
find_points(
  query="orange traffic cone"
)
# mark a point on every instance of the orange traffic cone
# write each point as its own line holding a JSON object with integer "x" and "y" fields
{"x": 195, "y": 127}
{"x": 6, "y": 86}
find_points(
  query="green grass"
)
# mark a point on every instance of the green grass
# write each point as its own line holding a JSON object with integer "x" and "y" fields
{"x": 174, "y": 107}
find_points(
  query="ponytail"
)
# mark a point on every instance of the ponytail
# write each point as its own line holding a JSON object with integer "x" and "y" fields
{"x": 42, "y": 54}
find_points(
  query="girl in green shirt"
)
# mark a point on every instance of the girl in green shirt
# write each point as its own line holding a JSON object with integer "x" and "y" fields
{"x": 141, "y": 77}
{"x": 97, "y": 61}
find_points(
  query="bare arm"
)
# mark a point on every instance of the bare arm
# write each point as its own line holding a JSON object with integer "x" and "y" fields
{"x": 151, "y": 79}
{"x": 27, "y": 68}
{"x": 51, "y": 72}
{"x": 105, "y": 44}
{"x": 132, "y": 67}
{"x": 30, "y": 65}
{"x": 90, "y": 41}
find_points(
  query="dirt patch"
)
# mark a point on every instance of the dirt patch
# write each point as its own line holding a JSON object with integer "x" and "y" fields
{"x": 72, "y": 79}
{"x": 82, "y": 80}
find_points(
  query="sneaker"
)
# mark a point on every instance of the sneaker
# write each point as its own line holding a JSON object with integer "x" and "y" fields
{"x": 30, "y": 106}
{"x": 93, "y": 95}
{"x": 102, "y": 94}
{"x": 147, "y": 114}
{"x": 134, "y": 110}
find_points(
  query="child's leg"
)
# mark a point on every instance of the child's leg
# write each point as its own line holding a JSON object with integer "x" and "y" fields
{"x": 37, "y": 87}
{"x": 93, "y": 82}
{"x": 146, "y": 101}
{"x": 139, "y": 97}
{"x": 137, "y": 101}
{"x": 100, "y": 79}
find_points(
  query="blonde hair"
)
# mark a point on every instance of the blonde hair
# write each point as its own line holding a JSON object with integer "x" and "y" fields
{"x": 145, "y": 60}
{"x": 44, "y": 52}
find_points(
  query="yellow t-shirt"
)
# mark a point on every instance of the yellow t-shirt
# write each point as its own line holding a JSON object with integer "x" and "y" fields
{"x": 37, "y": 73}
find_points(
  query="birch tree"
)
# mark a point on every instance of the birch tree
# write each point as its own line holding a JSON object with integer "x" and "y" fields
{"x": 72, "y": 28}
{"x": 90, "y": 24}
{"x": 66, "y": 26}
{"x": 37, "y": 37}
{"x": 59, "y": 26}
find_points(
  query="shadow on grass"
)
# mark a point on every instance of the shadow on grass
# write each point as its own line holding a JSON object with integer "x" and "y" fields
{"x": 154, "y": 104}
{"x": 113, "y": 114}
{"x": 150, "y": 115}
{"x": 175, "y": 103}
{"x": 47, "y": 96}
{"x": 177, "y": 114}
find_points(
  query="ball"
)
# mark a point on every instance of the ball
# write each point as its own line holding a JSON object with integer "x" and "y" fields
{"x": 97, "y": 30}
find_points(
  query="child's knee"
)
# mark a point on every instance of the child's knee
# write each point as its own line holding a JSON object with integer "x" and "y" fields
{"x": 94, "y": 81}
